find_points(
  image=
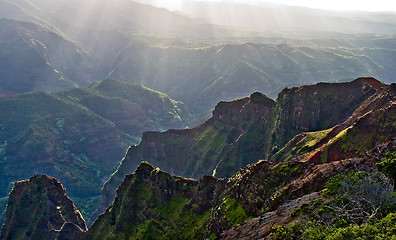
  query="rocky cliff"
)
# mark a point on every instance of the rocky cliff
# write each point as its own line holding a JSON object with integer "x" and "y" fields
{"x": 247, "y": 130}
{"x": 39, "y": 209}
{"x": 264, "y": 195}
{"x": 152, "y": 204}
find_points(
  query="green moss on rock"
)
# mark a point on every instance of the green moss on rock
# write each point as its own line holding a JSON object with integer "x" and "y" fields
{"x": 39, "y": 209}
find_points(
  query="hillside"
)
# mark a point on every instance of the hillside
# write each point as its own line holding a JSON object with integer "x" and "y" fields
{"x": 35, "y": 58}
{"x": 359, "y": 135}
{"x": 203, "y": 76}
{"x": 247, "y": 130}
{"x": 331, "y": 183}
{"x": 151, "y": 204}
{"x": 80, "y": 135}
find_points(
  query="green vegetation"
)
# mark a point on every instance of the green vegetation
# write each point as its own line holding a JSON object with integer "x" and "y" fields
{"x": 300, "y": 144}
{"x": 151, "y": 204}
{"x": 79, "y": 135}
{"x": 360, "y": 205}
{"x": 145, "y": 209}
{"x": 41, "y": 206}
{"x": 314, "y": 108}
{"x": 378, "y": 229}
{"x": 3, "y": 205}
{"x": 244, "y": 131}
{"x": 87, "y": 206}
{"x": 387, "y": 165}
{"x": 50, "y": 62}
{"x": 234, "y": 212}
{"x": 365, "y": 134}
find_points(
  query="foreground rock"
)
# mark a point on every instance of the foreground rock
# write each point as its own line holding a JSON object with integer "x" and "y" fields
{"x": 152, "y": 204}
{"x": 39, "y": 209}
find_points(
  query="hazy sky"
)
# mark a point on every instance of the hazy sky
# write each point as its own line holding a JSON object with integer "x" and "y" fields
{"x": 362, "y": 5}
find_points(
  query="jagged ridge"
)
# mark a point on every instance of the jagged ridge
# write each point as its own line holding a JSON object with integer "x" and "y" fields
{"x": 246, "y": 130}
{"x": 152, "y": 204}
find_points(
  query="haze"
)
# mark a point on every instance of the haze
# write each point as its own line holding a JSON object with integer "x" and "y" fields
{"x": 356, "y": 5}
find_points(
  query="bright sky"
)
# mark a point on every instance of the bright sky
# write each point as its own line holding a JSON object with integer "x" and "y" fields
{"x": 360, "y": 5}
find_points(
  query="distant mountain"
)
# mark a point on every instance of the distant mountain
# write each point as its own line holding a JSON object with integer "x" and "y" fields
{"x": 277, "y": 17}
{"x": 200, "y": 77}
{"x": 247, "y": 130}
{"x": 52, "y": 46}
{"x": 78, "y": 19}
{"x": 190, "y": 60}
{"x": 35, "y": 58}
{"x": 80, "y": 135}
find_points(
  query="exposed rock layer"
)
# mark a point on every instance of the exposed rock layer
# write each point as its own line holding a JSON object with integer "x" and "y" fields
{"x": 246, "y": 130}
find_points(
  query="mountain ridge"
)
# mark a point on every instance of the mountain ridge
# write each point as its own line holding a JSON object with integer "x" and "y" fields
{"x": 243, "y": 131}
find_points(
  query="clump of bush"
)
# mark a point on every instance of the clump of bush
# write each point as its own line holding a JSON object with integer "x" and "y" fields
{"x": 387, "y": 165}
{"x": 361, "y": 205}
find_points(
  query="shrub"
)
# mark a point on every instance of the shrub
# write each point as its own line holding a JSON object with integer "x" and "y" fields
{"x": 388, "y": 165}
{"x": 358, "y": 200}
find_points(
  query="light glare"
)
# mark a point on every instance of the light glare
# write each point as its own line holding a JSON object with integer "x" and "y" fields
{"x": 356, "y": 5}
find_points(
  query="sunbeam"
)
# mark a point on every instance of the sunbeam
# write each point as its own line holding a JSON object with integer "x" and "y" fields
{"x": 381, "y": 5}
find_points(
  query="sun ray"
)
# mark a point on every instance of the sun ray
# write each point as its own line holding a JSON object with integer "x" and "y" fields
{"x": 357, "y": 5}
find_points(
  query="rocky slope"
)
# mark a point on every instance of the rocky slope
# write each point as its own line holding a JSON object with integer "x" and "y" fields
{"x": 246, "y": 130}
{"x": 296, "y": 211}
{"x": 39, "y": 209}
{"x": 266, "y": 192}
{"x": 80, "y": 135}
{"x": 151, "y": 204}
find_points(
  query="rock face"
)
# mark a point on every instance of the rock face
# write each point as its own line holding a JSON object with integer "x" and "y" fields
{"x": 260, "y": 227}
{"x": 39, "y": 209}
{"x": 152, "y": 204}
{"x": 246, "y": 130}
